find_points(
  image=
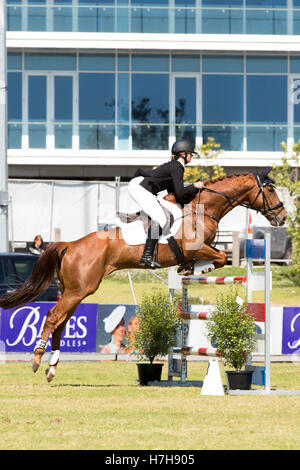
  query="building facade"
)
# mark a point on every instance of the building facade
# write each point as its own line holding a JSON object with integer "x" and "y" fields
{"x": 98, "y": 88}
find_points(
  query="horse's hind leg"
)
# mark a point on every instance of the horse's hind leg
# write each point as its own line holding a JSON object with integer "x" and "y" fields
{"x": 55, "y": 317}
{"x": 55, "y": 352}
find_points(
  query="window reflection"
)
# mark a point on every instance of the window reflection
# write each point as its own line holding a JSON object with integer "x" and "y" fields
{"x": 130, "y": 109}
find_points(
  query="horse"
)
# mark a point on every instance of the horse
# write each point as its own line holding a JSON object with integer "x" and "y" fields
{"x": 81, "y": 265}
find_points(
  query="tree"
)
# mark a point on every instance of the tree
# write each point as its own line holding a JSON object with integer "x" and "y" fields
{"x": 208, "y": 151}
{"x": 287, "y": 176}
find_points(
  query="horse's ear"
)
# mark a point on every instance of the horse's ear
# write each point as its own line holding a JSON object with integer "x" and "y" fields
{"x": 266, "y": 171}
{"x": 264, "y": 175}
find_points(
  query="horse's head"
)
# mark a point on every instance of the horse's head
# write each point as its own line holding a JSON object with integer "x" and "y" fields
{"x": 264, "y": 198}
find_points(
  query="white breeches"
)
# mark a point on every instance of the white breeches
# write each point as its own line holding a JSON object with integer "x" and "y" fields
{"x": 147, "y": 201}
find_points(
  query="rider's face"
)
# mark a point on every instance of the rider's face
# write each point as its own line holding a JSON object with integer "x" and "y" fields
{"x": 189, "y": 157}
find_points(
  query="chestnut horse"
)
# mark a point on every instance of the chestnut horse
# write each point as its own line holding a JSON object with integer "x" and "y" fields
{"x": 81, "y": 265}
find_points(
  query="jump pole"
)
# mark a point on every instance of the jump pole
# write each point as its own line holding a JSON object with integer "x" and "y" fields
{"x": 255, "y": 249}
{"x": 268, "y": 312}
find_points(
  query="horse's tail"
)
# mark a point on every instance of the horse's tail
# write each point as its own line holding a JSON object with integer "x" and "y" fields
{"x": 40, "y": 278}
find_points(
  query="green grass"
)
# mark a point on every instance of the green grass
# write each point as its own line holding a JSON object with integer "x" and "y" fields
{"x": 97, "y": 405}
{"x": 116, "y": 287}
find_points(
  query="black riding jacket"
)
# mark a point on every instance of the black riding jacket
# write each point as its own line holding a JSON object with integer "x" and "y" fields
{"x": 167, "y": 176}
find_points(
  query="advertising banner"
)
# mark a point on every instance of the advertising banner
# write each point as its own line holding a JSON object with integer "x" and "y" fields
{"x": 20, "y": 328}
{"x": 116, "y": 322}
{"x": 291, "y": 330}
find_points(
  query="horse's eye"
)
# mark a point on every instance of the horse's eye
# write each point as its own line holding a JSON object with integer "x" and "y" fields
{"x": 271, "y": 189}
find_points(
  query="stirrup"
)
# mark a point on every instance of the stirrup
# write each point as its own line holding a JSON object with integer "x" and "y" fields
{"x": 149, "y": 262}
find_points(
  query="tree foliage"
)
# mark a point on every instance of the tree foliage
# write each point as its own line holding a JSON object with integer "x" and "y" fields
{"x": 208, "y": 169}
{"x": 157, "y": 324}
{"x": 287, "y": 176}
{"x": 232, "y": 328}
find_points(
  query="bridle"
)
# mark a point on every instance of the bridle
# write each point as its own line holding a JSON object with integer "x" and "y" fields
{"x": 266, "y": 210}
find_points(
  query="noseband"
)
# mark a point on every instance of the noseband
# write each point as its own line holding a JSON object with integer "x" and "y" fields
{"x": 266, "y": 206}
{"x": 266, "y": 210}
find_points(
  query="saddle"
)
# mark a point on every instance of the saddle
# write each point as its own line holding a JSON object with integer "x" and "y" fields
{"x": 127, "y": 218}
{"x": 135, "y": 225}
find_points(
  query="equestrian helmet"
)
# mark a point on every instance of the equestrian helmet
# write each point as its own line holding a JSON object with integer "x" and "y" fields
{"x": 183, "y": 145}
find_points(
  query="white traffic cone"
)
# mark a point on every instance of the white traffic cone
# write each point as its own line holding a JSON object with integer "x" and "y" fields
{"x": 212, "y": 384}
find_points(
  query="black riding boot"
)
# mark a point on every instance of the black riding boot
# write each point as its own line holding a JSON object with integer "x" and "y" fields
{"x": 147, "y": 258}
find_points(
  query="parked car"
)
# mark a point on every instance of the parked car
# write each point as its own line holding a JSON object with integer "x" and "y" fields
{"x": 281, "y": 242}
{"x": 15, "y": 268}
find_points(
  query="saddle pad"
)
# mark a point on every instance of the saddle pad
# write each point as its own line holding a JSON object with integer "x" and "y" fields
{"x": 134, "y": 232}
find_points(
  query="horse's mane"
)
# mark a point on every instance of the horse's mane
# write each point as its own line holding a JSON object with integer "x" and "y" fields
{"x": 222, "y": 178}
{"x": 263, "y": 176}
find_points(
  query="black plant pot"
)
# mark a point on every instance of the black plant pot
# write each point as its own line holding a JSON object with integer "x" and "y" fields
{"x": 149, "y": 373}
{"x": 239, "y": 379}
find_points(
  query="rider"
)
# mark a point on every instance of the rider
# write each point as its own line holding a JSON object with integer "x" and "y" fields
{"x": 144, "y": 187}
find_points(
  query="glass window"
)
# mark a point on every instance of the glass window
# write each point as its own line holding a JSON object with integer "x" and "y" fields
{"x": 222, "y": 99}
{"x": 50, "y": 61}
{"x": 185, "y": 16}
{"x": 266, "y": 3}
{"x": 296, "y": 100}
{"x": 123, "y": 62}
{"x": 96, "y": 62}
{"x": 266, "y": 138}
{"x": 96, "y": 16}
{"x": 62, "y": 15}
{"x": 222, "y": 3}
{"x": 63, "y": 97}
{"x": 150, "y": 63}
{"x": 14, "y": 15}
{"x": 150, "y": 16}
{"x": 150, "y": 98}
{"x": 185, "y": 100}
{"x": 123, "y": 137}
{"x": 150, "y": 104}
{"x": 220, "y": 63}
{"x": 229, "y": 137}
{"x": 96, "y": 97}
{"x": 185, "y": 63}
{"x": 23, "y": 268}
{"x": 14, "y": 96}
{"x": 14, "y": 136}
{"x": 296, "y": 18}
{"x": 123, "y": 97}
{"x": 37, "y": 110}
{"x": 221, "y": 16}
{"x": 95, "y": 137}
{"x": 295, "y": 64}
{"x": 123, "y": 14}
{"x": 266, "y": 64}
{"x": 37, "y": 15}
{"x": 63, "y": 136}
{"x": 266, "y": 99}
{"x": 14, "y": 61}
{"x": 123, "y": 111}
{"x": 37, "y": 136}
{"x": 266, "y": 17}
{"x": 185, "y": 108}
{"x": 37, "y": 98}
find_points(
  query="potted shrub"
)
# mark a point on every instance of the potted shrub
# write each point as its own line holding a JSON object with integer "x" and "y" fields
{"x": 155, "y": 334}
{"x": 232, "y": 329}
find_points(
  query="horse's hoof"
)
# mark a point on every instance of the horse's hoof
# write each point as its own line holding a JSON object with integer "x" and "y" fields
{"x": 50, "y": 374}
{"x": 34, "y": 365}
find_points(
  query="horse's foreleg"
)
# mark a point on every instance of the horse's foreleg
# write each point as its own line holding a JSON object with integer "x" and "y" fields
{"x": 206, "y": 253}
